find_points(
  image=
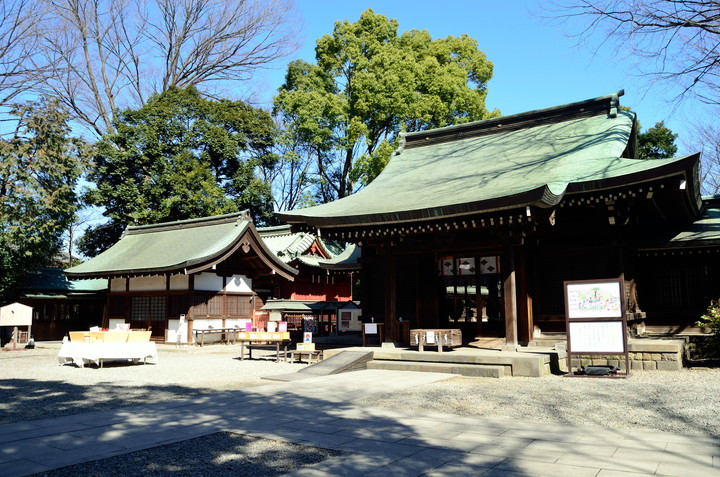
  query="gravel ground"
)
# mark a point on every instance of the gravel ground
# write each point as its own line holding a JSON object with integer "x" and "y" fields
{"x": 34, "y": 386}
{"x": 684, "y": 402}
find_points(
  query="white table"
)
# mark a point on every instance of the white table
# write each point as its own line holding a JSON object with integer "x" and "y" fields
{"x": 83, "y": 353}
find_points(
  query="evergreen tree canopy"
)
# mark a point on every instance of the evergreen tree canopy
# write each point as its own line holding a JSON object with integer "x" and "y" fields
{"x": 658, "y": 142}
{"x": 39, "y": 170}
{"x": 180, "y": 156}
{"x": 368, "y": 85}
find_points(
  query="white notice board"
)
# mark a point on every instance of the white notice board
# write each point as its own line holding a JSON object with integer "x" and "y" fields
{"x": 595, "y": 318}
{"x": 597, "y": 337}
{"x": 371, "y": 328}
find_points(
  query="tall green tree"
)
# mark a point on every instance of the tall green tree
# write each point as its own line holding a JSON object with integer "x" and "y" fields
{"x": 180, "y": 156}
{"x": 658, "y": 142}
{"x": 40, "y": 166}
{"x": 368, "y": 85}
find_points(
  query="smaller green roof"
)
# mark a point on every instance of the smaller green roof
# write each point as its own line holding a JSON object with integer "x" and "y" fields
{"x": 289, "y": 245}
{"x": 307, "y": 306}
{"x": 51, "y": 282}
{"x": 703, "y": 232}
{"x": 295, "y": 247}
{"x": 348, "y": 260}
{"x": 184, "y": 246}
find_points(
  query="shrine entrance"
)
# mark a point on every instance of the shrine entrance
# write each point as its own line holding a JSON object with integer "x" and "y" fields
{"x": 471, "y": 295}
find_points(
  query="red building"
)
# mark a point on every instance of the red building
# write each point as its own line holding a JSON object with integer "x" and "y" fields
{"x": 323, "y": 286}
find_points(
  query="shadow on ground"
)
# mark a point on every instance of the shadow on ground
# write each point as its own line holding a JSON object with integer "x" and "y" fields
{"x": 260, "y": 431}
{"x": 221, "y": 453}
{"x": 28, "y": 399}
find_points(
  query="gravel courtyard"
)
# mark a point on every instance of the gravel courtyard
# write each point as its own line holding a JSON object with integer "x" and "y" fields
{"x": 34, "y": 386}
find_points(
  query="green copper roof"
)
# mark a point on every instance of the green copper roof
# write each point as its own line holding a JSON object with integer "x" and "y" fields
{"x": 289, "y": 245}
{"x": 52, "y": 280}
{"x": 175, "y": 247}
{"x": 294, "y": 247}
{"x": 531, "y": 159}
{"x": 348, "y": 260}
{"x": 705, "y": 231}
{"x": 307, "y": 306}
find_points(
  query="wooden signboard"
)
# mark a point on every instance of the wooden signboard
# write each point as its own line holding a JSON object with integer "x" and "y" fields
{"x": 595, "y": 319}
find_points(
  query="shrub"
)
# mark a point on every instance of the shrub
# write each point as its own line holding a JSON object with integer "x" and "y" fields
{"x": 711, "y": 321}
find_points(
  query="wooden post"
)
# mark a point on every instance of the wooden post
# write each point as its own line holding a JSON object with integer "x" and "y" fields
{"x": 510, "y": 294}
{"x": 390, "y": 296}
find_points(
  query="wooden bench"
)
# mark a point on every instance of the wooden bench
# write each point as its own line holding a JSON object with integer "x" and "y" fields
{"x": 313, "y": 356}
{"x": 448, "y": 338}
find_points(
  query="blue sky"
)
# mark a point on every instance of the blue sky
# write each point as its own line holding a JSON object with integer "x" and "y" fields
{"x": 537, "y": 65}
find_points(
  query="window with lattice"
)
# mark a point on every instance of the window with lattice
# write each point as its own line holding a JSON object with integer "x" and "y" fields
{"x": 147, "y": 308}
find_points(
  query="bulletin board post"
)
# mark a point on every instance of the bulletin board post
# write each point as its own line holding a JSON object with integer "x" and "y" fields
{"x": 595, "y": 319}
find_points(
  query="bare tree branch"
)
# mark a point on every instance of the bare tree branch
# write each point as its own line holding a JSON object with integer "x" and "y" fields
{"x": 105, "y": 55}
{"x": 705, "y": 137}
{"x": 673, "y": 41}
{"x": 204, "y": 40}
{"x": 19, "y": 69}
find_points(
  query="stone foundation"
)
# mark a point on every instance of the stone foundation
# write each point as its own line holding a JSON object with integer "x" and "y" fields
{"x": 644, "y": 354}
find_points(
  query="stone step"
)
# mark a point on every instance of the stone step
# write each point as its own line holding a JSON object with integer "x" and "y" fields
{"x": 476, "y": 370}
{"x": 516, "y": 364}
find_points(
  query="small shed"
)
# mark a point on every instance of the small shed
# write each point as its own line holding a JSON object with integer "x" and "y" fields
{"x": 15, "y": 315}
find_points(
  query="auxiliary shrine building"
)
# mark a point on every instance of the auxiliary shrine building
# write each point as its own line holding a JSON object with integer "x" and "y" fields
{"x": 477, "y": 226}
{"x": 213, "y": 272}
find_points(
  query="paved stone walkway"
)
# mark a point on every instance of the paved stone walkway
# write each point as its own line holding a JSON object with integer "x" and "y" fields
{"x": 376, "y": 442}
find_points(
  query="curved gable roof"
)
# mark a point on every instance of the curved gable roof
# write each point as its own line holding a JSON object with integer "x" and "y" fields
{"x": 177, "y": 247}
{"x": 531, "y": 159}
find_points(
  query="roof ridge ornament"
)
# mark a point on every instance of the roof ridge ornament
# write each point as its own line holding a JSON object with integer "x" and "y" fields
{"x": 244, "y": 217}
{"x": 615, "y": 103}
{"x": 401, "y": 145}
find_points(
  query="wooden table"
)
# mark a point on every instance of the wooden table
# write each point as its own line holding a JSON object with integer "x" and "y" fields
{"x": 223, "y": 331}
{"x": 83, "y": 353}
{"x": 284, "y": 342}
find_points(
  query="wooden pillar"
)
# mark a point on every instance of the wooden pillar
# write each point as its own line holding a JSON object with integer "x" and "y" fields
{"x": 525, "y": 313}
{"x": 427, "y": 298}
{"x": 510, "y": 294}
{"x": 390, "y": 297}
